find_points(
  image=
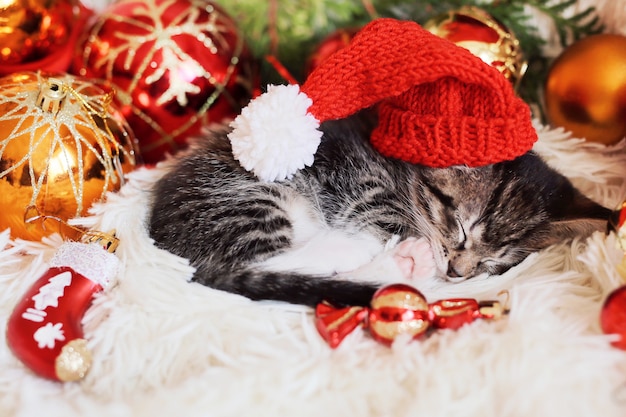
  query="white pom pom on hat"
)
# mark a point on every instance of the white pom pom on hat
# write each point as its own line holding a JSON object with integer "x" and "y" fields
{"x": 438, "y": 105}
{"x": 275, "y": 135}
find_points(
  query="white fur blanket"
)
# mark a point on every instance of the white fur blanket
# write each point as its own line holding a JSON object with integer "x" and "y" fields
{"x": 163, "y": 346}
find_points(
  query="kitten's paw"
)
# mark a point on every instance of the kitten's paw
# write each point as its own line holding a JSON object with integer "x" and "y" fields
{"x": 415, "y": 258}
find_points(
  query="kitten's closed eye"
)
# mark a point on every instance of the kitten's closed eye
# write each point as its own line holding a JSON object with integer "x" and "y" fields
{"x": 470, "y": 253}
{"x": 467, "y": 265}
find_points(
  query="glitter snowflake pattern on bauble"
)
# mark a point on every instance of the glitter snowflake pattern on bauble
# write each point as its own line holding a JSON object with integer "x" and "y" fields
{"x": 177, "y": 65}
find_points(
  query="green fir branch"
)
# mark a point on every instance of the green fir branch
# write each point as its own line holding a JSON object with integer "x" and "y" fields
{"x": 573, "y": 28}
{"x": 302, "y": 24}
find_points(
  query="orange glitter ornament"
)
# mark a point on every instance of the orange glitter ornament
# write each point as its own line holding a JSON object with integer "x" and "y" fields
{"x": 585, "y": 90}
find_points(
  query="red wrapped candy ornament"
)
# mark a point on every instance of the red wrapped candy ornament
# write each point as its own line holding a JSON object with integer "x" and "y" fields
{"x": 400, "y": 309}
{"x": 44, "y": 330}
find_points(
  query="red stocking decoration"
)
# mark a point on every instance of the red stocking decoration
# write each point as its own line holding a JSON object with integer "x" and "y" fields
{"x": 44, "y": 331}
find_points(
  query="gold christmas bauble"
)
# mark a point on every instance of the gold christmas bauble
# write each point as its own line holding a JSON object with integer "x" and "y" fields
{"x": 62, "y": 147}
{"x": 483, "y": 35}
{"x": 585, "y": 90}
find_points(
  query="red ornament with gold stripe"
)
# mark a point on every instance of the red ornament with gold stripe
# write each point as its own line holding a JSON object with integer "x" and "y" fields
{"x": 398, "y": 310}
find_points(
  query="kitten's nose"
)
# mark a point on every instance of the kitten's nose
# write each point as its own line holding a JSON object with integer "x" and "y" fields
{"x": 453, "y": 273}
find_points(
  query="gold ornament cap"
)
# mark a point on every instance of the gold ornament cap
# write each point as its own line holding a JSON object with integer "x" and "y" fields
{"x": 51, "y": 95}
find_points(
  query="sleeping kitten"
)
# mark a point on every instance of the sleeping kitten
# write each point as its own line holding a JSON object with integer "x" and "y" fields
{"x": 313, "y": 237}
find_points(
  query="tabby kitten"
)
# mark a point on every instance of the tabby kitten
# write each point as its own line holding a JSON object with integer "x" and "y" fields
{"x": 316, "y": 236}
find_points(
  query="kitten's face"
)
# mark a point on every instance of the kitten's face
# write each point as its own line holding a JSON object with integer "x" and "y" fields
{"x": 489, "y": 219}
{"x": 467, "y": 246}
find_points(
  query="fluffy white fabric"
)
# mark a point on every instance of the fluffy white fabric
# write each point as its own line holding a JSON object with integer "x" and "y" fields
{"x": 163, "y": 346}
{"x": 275, "y": 135}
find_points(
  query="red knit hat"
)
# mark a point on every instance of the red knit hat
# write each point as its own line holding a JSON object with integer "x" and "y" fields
{"x": 438, "y": 105}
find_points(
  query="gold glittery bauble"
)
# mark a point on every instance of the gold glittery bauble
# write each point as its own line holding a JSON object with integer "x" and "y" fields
{"x": 62, "y": 147}
{"x": 585, "y": 91}
{"x": 477, "y": 31}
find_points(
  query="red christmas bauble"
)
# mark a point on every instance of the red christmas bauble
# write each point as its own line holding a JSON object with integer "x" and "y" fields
{"x": 328, "y": 46}
{"x": 396, "y": 310}
{"x": 177, "y": 65}
{"x": 39, "y": 34}
{"x": 613, "y": 316}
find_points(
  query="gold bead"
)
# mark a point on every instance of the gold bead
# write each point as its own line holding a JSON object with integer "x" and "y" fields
{"x": 74, "y": 361}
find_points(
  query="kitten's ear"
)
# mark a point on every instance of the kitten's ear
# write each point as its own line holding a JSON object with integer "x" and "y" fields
{"x": 579, "y": 217}
{"x": 560, "y": 231}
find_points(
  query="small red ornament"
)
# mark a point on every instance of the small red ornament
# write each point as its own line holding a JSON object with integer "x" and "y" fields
{"x": 39, "y": 35}
{"x": 176, "y": 65}
{"x": 328, "y": 46}
{"x": 400, "y": 309}
{"x": 44, "y": 330}
{"x": 613, "y": 316}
